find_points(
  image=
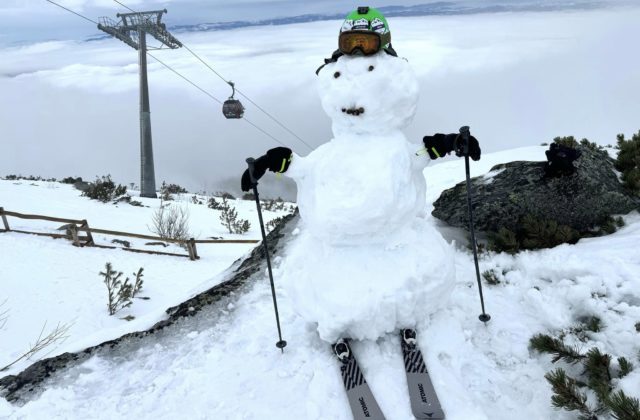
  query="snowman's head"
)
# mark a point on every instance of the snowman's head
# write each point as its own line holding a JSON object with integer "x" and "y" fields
{"x": 368, "y": 94}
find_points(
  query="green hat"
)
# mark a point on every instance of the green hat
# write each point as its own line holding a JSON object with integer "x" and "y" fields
{"x": 368, "y": 19}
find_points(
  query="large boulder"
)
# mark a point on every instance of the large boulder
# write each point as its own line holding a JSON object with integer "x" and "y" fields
{"x": 512, "y": 191}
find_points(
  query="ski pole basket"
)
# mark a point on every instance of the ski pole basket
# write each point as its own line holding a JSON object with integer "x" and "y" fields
{"x": 232, "y": 108}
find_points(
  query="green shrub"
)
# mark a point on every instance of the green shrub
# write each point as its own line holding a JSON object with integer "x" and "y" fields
{"x": 591, "y": 393}
{"x": 229, "y": 219}
{"x": 174, "y": 188}
{"x": 491, "y": 277}
{"x": 533, "y": 234}
{"x": 272, "y": 224}
{"x": 568, "y": 141}
{"x": 213, "y": 204}
{"x": 591, "y": 145}
{"x": 628, "y": 162}
{"x": 71, "y": 180}
{"x": 120, "y": 293}
{"x": 104, "y": 189}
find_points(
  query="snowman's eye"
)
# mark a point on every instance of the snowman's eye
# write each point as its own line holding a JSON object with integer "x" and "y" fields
{"x": 371, "y": 68}
{"x": 336, "y": 74}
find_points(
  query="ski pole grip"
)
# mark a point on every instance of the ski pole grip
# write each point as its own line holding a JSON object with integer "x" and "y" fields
{"x": 251, "y": 163}
{"x": 464, "y": 136}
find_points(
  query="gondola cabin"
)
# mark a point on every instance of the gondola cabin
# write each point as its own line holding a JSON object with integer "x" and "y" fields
{"x": 232, "y": 108}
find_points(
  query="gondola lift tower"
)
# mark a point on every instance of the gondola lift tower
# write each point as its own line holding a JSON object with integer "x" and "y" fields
{"x": 132, "y": 29}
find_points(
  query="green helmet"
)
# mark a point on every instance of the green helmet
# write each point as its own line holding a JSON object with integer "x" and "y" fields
{"x": 370, "y": 20}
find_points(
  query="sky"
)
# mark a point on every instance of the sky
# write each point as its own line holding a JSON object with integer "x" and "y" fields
{"x": 30, "y": 20}
{"x": 70, "y": 107}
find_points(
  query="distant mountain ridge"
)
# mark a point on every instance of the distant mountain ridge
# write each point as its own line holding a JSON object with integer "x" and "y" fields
{"x": 441, "y": 8}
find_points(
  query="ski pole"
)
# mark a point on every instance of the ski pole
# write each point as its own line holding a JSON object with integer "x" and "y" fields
{"x": 281, "y": 344}
{"x": 464, "y": 136}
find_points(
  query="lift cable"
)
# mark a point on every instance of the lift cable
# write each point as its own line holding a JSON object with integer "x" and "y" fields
{"x": 176, "y": 72}
{"x": 227, "y": 81}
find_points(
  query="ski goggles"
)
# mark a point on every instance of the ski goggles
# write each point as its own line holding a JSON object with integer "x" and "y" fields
{"x": 363, "y": 42}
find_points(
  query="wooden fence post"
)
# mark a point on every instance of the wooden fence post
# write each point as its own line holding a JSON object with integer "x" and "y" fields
{"x": 4, "y": 220}
{"x": 85, "y": 225}
{"x": 74, "y": 235}
{"x": 194, "y": 249}
{"x": 190, "y": 249}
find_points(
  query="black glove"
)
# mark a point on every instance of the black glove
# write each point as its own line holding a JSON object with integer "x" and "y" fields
{"x": 474, "y": 147}
{"x": 276, "y": 160}
{"x": 439, "y": 145}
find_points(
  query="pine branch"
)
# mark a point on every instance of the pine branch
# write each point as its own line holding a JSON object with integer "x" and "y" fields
{"x": 547, "y": 344}
{"x": 138, "y": 283}
{"x": 625, "y": 367}
{"x": 597, "y": 370}
{"x": 567, "y": 395}
{"x": 623, "y": 407}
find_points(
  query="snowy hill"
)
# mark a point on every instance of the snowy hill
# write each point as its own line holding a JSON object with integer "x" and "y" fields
{"x": 222, "y": 363}
{"x": 46, "y": 280}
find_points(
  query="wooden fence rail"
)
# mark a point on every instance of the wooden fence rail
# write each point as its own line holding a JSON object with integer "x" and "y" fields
{"x": 74, "y": 226}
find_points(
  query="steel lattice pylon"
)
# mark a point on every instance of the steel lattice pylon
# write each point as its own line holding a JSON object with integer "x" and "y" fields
{"x": 132, "y": 30}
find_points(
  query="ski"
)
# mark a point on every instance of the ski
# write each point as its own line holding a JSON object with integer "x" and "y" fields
{"x": 424, "y": 401}
{"x": 363, "y": 403}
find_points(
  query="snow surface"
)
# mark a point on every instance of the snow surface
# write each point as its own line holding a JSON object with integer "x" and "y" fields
{"x": 50, "y": 281}
{"x": 224, "y": 365}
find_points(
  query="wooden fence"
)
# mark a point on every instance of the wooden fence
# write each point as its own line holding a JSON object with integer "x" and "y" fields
{"x": 73, "y": 228}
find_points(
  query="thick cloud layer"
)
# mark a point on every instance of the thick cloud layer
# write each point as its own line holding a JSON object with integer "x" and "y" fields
{"x": 71, "y": 108}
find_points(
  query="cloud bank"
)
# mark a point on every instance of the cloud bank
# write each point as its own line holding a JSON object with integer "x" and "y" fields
{"x": 71, "y": 108}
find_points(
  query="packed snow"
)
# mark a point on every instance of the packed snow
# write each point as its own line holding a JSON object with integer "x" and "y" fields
{"x": 224, "y": 364}
{"x": 365, "y": 262}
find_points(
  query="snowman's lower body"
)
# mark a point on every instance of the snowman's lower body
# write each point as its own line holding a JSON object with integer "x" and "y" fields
{"x": 365, "y": 291}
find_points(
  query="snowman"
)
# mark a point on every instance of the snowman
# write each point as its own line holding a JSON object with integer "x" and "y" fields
{"x": 365, "y": 260}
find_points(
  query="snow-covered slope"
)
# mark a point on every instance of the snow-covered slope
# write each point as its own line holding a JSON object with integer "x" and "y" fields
{"x": 224, "y": 365}
{"x": 50, "y": 281}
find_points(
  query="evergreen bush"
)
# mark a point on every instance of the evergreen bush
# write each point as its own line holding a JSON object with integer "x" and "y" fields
{"x": 213, "y": 204}
{"x": 628, "y": 162}
{"x": 104, "y": 189}
{"x": 533, "y": 234}
{"x": 591, "y": 393}
{"x": 229, "y": 219}
{"x": 71, "y": 180}
{"x": 273, "y": 223}
{"x": 491, "y": 277}
{"x": 568, "y": 141}
{"x": 119, "y": 294}
{"x": 175, "y": 188}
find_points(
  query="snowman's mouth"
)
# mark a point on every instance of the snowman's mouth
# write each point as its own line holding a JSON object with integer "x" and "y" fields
{"x": 353, "y": 111}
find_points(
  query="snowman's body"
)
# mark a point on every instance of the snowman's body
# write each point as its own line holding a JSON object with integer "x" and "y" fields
{"x": 365, "y": 262}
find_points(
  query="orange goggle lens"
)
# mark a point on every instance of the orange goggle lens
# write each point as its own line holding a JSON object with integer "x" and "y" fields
{"x": 367, "y": 43}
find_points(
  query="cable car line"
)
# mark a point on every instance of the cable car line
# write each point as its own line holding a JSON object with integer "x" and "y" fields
{"x": 235, "y": 89}
{"x": 176, "y": 72}
{"x": 213, "y": 97}
{"x": 69, "y": 10}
